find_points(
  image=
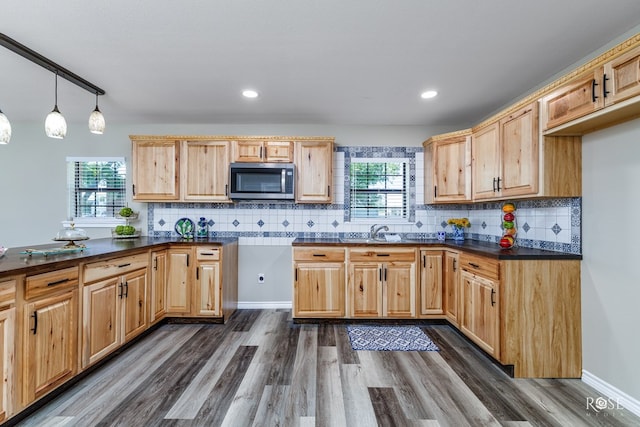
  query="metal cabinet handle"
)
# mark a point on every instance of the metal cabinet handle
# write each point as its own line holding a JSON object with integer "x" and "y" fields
{"x": 187, "y": 260}
{"x": 124, "y": 265}
{"x": 35, "y": 322}
{"x": 499, "y": 183}
{"x": 383, "y": 254}
{"x": 155, "y": 263}
{"x": 593, "y": 90}
{"x": 133, "y": 189}
{"x": 126, "y": 289}
{"x": 493, "y": 301}
{"x": 320, "y": 255}
{"x": 197, "y": 273}
{"x": 455, "y": 264}
{"x": 474, "y": 265}
{"x": 58, "y": 282}
{"x": 605, "y": 92}
{"x": 494, "y": 185}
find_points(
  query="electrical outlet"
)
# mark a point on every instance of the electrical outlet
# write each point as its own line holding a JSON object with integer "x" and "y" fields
{"x": 260, "y": 278}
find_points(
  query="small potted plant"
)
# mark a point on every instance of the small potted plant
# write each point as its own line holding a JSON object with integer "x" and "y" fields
{"x": 458, "y": 225}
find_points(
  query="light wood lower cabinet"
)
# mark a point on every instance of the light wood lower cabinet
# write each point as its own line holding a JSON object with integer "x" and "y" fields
{"x": 179, "y": 280}
{"x": 50, "y": 332}
{"x": 431, "y": 300}
{"x": 158, "y": 286}
{"x": 318, "y": 285}
{"x": 208, "y": 286}
{"x": 7, "y": 346}
{"x": 480, "y": 317}
{"x": 382, "y": 282}
{"x": 451, "y": 286}
{"x": 114, "y": 308}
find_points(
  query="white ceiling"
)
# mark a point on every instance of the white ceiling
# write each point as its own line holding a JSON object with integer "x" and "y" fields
{"x": 313, "y": 61}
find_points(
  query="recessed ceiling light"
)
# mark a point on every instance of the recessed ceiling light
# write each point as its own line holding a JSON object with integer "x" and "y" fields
{"x": 249, "y": 93}
{"x": 428, "y": 94}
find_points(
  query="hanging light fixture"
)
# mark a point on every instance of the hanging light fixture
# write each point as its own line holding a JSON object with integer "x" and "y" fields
{"x": 96, "y": 120}
{"x": 55, "y": 125}
{"x": 5, "y": 129}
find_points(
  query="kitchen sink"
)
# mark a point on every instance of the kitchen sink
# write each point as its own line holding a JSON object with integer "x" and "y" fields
{"x": 373, "y": 241}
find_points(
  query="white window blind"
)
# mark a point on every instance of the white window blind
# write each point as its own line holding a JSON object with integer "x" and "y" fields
{"x": 97, "y": 186}
{"x": 378, "y": 188}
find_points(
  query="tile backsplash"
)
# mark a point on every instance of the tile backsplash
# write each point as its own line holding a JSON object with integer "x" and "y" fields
{"x": 552, "y": 224}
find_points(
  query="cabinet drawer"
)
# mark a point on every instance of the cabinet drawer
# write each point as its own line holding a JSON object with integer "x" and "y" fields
{"x": 482, "y": 266}
{"x": 208, "y": 252}
{"x": 113, "y": 267}
{"x": 51, "y": 282}
{"x": 318, "y": 254}
{"x": 7, "y": 293}
{"x": 382, "y": 255}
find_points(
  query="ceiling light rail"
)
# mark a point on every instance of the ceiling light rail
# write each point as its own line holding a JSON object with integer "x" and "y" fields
{"x": 60, "y": 71}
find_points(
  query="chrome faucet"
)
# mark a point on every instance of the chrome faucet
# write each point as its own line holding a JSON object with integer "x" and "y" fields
{"x": 375, "y": 229}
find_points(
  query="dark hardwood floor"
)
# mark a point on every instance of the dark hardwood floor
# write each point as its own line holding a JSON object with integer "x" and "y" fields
{"x": 260, "y": 369}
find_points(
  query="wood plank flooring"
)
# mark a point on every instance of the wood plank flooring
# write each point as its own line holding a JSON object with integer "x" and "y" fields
{"x": 260, "y": 369}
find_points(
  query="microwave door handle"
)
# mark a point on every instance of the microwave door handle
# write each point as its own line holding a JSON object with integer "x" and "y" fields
{"x": 283, "y": 181}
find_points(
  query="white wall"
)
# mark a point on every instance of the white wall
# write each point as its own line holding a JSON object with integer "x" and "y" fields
{"x": 610, "y": 276}
{"x": 33, "y": 185}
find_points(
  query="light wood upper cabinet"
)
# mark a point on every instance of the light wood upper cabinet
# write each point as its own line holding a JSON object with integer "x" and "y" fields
{"x": 448, "y": 168}
{"x": 314, "y": 170}
{"x": 486, "y": 162}
{"x": 267, "y": 151}
{"x": 431, "y": 298}
{"x": 205, "y": 170}
{"x": 155, "y": 170}
{"x": 519, "y": 155}
{"x": 318, "y": 286}
{"x": 622, "y": 77}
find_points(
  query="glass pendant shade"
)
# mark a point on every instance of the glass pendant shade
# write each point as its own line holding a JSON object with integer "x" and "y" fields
{"x": 96, "y": 120}
{"x": 5, "y": 129}
{"x": 55, "y": 125}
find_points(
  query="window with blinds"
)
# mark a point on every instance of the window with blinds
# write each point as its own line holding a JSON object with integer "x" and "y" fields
{"x": 378, "y": 188}
{"x": 97, "y": 187}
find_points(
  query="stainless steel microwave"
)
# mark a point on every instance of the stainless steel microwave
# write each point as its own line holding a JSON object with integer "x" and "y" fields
{"x": 262, "y": 181}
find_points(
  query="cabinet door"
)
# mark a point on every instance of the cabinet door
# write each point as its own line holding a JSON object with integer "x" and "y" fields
{"x": 155, "y": 170}
{"x": 365, "y": 283}
{"x": 247, "y": 151}
{"x": 278, "y": 151}
{"x": 452, "y": 169}
{"x": 207, "y": 290}
{"x": 431, "y": 282}
{"x": 314, "y": 169}
{"x": 134, "y": 320}
{"x": 451, "y": 286}
{"x": 623, "y": 77}
{"x": 480, "y": 316}
{"x": 520, "y": 151}
{"x": 576, "y": 99}
{"x": 178, "y": 280}
{"x": 101, "y": 311}
{"x": 205, "y": 170}
{"x": 158, "y": 288}
{"x": 7, "y": 351}
{"x": 50, "y": 344}
{"x": 485, "y": 150}
{"x": 399, "y": 289}
{"x": 319, "y": 289}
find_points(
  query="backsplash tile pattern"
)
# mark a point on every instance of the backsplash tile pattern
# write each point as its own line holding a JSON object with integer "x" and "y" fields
{"x": 552, "y": 224}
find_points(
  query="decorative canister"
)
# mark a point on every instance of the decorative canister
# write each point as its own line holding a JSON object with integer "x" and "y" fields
{"x": 202, "y": 228}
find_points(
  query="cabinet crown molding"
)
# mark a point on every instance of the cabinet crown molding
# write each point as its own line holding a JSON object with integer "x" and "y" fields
{"x": 228, "y": 137}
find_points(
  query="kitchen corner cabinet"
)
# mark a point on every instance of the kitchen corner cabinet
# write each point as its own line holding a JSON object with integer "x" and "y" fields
{"x": 449, "y": 159}
{"x": 382, "y": 282}
{"x": 267, "y": 151}
{"x": 7, "y": 346}
{"x": 314, "y": 171}
{"x": 205, "y": 170}
{"x": 431, "y": 301}
{"x": 158, "y": 286}
{"x": 318, "y": 286}
{"x": 451, "y": 284}
{"x": 179, "y": 280}
{"x": 49, "y": 332}
{"x": 114, "y": 304}
{"x": 155, "y": 169}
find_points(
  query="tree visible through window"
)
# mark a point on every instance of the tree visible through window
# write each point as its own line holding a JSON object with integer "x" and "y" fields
{"x": 378, "y": 189}
{"x": 98, "y": 187}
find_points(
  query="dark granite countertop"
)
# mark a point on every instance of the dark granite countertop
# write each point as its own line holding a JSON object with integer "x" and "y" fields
{"x": 487, "y": 249}
{"x": 14, "y": 262}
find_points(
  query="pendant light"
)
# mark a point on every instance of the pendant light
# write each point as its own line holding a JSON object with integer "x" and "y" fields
{"x": 96, "y": 120}
{"x": 5, "y": 129}
{"x": 55, "y": 126}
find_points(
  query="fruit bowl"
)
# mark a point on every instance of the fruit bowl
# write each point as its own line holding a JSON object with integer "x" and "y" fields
{"x": 125, "y": 232}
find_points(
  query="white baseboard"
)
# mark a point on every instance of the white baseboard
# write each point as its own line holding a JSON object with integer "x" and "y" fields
{"x": 627, "y": 402}
{"x": 263, "y": 304}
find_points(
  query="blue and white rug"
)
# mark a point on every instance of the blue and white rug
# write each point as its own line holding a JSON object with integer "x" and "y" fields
{"x": 389, "y": 338}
